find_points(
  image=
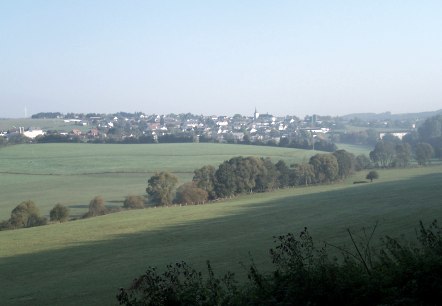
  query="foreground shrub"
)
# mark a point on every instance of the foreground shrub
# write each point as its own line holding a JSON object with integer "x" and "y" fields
{"x": 59, "y": 213}
{"x": 397, "y": 273}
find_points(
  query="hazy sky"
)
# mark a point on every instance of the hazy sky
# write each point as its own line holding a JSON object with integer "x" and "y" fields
{"x": 220, "y": 57}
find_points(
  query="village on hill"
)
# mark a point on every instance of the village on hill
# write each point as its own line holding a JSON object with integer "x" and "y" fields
{"x": 266, "y": 129}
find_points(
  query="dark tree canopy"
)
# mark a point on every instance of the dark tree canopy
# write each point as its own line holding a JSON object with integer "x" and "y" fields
{"x": 372, "y": 175}
{"x": 325, "y": 166}
{"x": 346, "y": 163}
{"x": 204, "y": 178}
{"x": 161, "y": 188}
{"x": 383, "y": 154}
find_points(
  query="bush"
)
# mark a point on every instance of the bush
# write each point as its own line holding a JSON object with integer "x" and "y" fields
{"x": 26, "y": 214}
{"x": 96, "y": 207}
{"x": 396, "y": 274}
{"x": 188, "y": 193}
{"x": 133, "y": 202}
{"x": 59, "y": 213}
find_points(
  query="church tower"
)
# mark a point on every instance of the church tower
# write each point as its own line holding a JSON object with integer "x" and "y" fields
{"x": 255, "y": 114}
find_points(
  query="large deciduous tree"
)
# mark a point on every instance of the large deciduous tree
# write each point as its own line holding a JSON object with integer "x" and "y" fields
{"x": 424, "y": 152}
{"x": 302, "y": 174}
{"x": 204, "y": 178}
{"x": 161, "y": 187}
{"x": 383, "y": 154}
{"x": 59, "y": 213}
{"x": 26, "y": 214}
{"x": 325, "y": 166}
{"x": 362, "y": 162}
{"x": 346, "y": 163}
{"x": 403, "y": 155}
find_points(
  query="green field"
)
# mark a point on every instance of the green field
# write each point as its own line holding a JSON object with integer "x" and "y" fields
{"x": 72, "y": 174}
{"x": 45, "y": 124}
{"x": 86, "y": 261}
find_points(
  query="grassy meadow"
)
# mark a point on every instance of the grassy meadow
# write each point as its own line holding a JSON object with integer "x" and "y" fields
{"x": 86, "y": 261}
{"x": 72, "y": 174}
{"x": 45, "y": 124}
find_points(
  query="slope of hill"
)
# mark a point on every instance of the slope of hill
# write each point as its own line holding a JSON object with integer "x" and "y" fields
{"x": 86, "y": 261}
{"x": 390, "y": 116}
{"x": 72, "y": 174}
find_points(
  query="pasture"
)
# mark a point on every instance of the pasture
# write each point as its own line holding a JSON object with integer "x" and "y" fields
{"x": 86, "y": 261}
{"x": 72, "y": 174}
{"x": 45, "y": 124}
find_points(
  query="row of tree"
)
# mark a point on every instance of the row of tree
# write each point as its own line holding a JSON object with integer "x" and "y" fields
{"x": 27, "y": 214}
{"x": 422, "y": 145}
{"x": 241, "y": 175}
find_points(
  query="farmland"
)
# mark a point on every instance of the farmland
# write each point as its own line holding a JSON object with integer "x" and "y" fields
{"x": 86, "y": 261}
{"x": 72, "y": 174}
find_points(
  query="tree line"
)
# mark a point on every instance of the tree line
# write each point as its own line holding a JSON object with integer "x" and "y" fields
{"x": 242, "y": 175}
{"x": 27, "y": 214}
{"x": 422, "y": 145}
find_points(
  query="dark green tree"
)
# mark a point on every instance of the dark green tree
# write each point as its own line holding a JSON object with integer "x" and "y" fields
{"x": 346, "y": 163}
{"x": 283, "y": 174}
{"x": 325, "y": 166}
{"x": 225, "y": 181}
{"x": 267, "y": 177}
{"x": 59, "y": 213}
{"x": 302, "y": 174}
{"x": 383, "y": 154}
{"x": 161, "y": 188}
{"x": 204, "y": 178}
{"x": 372, "y": 175}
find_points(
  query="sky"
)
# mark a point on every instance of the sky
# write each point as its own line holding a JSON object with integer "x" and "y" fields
{"x": 220, "y": 57}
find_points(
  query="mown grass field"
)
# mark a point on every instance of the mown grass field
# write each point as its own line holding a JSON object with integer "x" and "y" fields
{"x": 45, "y": 124}
{"x": 72, "y": 174}
{"x": 86, "y": 261}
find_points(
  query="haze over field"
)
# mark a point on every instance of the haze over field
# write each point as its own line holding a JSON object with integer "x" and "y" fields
{"x": 227, "y": 57}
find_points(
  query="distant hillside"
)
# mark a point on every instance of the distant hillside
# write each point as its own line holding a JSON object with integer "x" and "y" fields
{"x": 390, "y": 116}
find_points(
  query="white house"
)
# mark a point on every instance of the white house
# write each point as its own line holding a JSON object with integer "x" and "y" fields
{"x": 33, "y": 133}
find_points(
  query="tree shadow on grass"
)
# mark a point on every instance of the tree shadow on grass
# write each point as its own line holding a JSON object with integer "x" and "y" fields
{"x": 90, "y": 273}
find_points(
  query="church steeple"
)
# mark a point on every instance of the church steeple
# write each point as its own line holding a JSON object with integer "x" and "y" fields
{"x": 255, "y": 114}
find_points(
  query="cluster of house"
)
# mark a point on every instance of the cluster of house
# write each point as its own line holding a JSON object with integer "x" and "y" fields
{"x": 120, "y": 126}
{"x": 259, "y": 127}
